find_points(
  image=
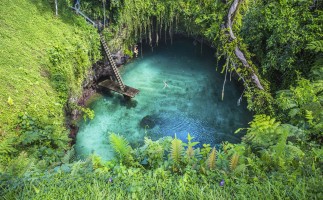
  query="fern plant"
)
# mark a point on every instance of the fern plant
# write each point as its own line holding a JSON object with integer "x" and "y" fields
{"x": 211, "y": 161}
{"x": 122, "y": 148}
{"x": 309, "y": 116}
{"x": 234, "y": 161}
{"x": 281, "y": 144}
{"x": 176, "y": 150}
{"x": 190, "y": 152}
{"x": 176, "y": 153}
{"x": 205, "y": 150}
{"x": 190, "y": 148}
{"x": 262, "y": 132}
{"x": 69, "y": 156}
{"x": 6, "y": 146}
{"x": 303, "y": 103}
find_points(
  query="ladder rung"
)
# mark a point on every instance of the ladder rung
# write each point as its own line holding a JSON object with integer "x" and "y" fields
{"x": 112, "y": 63}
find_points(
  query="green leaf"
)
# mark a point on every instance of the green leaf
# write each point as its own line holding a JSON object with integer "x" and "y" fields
{"x": 316, "y": 46}
{"x": 189, "y": 138}
{"x": 193, "y": 144}
{"x": 293, "y": 112}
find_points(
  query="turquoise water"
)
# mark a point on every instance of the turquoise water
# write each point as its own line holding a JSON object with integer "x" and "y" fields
{"x": 180, "y": 93}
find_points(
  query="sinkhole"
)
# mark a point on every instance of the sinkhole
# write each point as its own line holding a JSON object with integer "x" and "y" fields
{"x": 180, "y": 93}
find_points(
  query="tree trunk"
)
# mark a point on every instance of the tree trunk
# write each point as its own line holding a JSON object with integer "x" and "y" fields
{"x": 103, "y": 2}
{"x": 237, "y": 51}
{"x": 56, "y": 8}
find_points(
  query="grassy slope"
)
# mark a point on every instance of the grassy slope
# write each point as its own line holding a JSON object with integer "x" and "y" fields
{"x": 28, "y": 30}
{"x": 158, "y": 184}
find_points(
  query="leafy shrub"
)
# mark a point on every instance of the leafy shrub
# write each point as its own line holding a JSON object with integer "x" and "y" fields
{"x": 303, "y": 104}
{"x": 41, "y": 141}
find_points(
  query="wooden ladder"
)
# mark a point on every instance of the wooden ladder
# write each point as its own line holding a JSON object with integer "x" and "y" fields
{"x": 112, "y": 63}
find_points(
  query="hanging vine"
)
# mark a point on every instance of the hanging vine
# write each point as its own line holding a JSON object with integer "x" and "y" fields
{"x": 211, "y": 22}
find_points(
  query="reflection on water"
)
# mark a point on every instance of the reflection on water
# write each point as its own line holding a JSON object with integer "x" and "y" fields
{"x": 180, "y": 93}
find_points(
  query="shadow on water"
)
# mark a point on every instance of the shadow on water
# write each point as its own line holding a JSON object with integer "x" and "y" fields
{"x": 128, "y": 103}
{"x": 180, "y": 93}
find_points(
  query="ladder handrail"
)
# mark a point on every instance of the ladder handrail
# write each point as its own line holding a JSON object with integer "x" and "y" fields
{"x": 105, "y": 47}
{"x": 112, "y": 63}
{"x": 83, "y": 15}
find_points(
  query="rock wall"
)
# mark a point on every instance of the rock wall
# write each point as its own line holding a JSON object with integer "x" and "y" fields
{"x": 98, "y": 72}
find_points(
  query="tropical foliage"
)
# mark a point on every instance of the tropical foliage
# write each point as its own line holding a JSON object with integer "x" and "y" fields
{"x": 45, "y": 59}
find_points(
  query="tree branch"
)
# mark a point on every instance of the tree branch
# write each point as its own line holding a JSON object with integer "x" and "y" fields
{"x": 237, "y": 51}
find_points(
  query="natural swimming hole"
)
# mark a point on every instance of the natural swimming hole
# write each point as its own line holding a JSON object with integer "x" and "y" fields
{"x": 180, "y": 93}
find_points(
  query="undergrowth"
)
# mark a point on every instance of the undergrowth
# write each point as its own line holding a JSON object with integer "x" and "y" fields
{"x": 230, "y": 172}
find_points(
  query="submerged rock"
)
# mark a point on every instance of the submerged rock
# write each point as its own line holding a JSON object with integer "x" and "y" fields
{"x": 148, "y": 122}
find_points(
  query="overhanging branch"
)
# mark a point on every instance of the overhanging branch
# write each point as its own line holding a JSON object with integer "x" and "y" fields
{"x": 237, "y": 51}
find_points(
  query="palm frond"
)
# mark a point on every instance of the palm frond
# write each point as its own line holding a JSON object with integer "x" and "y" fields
{"x": 211, "y": 161}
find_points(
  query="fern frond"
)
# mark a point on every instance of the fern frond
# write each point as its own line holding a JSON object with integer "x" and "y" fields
{"x": 240, "y": 168}
{"x": 263, "y": 122}
{"x": 76, "y": 167}
{"x": 317, "y": 69}
{"x": 190, "y": 152}
{"x": 309, "y": 116}
{"x": 176, "y": 150}
{"x": 6, "y": 146}
{"x": 316, "y": 46}
{"x": 96, "y": 162}
{"x": 281, "y": 144}
{"x": 262, "y": 132}
{"x": 121, "y": 147}
{"x": 293, "y": 112}
{"x": 69, "y": 156}
{"x": 211, "y": 161}
{"x": 265, "y": 156}
{"x": 294, "y": 152}
{"x": 234, "y": 161}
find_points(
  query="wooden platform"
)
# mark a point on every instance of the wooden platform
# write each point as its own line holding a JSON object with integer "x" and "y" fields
{"x": 114, "y": 86}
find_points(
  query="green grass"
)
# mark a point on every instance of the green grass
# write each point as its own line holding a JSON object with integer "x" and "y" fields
{"x": 29, "y": 30}
{"x": 142, "y": 184}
